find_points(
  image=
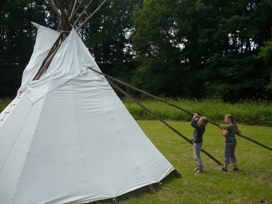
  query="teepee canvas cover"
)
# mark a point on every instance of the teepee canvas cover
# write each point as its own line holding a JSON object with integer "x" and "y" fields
{"x": 67, "y": 137}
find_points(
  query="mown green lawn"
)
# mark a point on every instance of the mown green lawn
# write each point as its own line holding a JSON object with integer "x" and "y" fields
{"x": 251, "y": 184}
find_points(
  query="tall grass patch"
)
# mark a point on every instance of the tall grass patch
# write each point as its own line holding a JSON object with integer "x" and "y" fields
{"x": 246, "y": 112}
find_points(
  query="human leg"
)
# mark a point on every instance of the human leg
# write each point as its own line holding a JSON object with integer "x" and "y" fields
{"x": 232, "y": 153}
{"x": 227, "y": 153}
{"x": 197, "y": 149}
{"x": 233, "y": 157}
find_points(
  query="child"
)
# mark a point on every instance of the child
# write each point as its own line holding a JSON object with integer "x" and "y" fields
{"x": 199, "y": 124}
{"x": 230, "y": 143}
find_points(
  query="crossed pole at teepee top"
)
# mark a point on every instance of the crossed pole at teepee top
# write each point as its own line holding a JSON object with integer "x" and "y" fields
{"x": 66, "y": 16}
{"x": 173, "y": 105}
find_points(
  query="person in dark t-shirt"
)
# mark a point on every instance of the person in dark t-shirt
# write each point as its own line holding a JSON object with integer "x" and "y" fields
{"x": 199, "y": 123}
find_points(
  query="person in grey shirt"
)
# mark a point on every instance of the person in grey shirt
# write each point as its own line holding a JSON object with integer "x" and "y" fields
{"x": 199, "y": 124}
{"x": 230, "y": 142}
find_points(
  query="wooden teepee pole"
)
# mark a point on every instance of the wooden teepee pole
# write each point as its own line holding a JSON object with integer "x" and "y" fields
{"x": 92, "y": 14}
{"x": 173, "y": 105}
{"x": 66, "y": 17}
{"x": 76, "y": 22}
{"x": 74, "y": 10}
{"x": 160, "y": 119}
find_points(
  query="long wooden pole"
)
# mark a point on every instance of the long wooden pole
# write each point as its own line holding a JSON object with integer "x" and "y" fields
{"x": 173, "y": 105}
{"x": 88, "y": 18}
{"x": 165, "y": 123}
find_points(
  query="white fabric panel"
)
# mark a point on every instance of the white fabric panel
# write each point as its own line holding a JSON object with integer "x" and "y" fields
{"x": 70, "y": 61}
{"x": 44, "y": 41}
{"x": 16, "y": 112}
{"x": 16, "y": 134}
{"x": 70, "y": 139}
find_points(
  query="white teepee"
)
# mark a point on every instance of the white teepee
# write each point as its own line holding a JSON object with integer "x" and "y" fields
{"x": 67, "y": 137}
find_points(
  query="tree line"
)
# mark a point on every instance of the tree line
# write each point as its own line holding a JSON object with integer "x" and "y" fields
{"x": 170, "y": 48}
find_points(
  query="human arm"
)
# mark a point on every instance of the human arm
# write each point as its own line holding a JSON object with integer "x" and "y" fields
{"x": 225, "y": 132}
{"x": 238, "y": 131}
{"x": 194, "y": 120}
{"x": 196, "y": 117}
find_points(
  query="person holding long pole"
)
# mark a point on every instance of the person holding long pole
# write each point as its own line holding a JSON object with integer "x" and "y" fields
{"x": 199, "y": 124}
{"x": 230, "y": 142}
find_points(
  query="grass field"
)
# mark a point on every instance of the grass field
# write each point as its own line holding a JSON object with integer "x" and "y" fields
{"x": 251, "y": 184}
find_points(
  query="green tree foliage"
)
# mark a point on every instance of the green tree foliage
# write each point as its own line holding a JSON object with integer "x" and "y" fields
{"x": 218, "y": 42}
{"x": 17, "y": 40}
{"x": 159, "y": 61}
{"x": 109, "y": 37}
{"x": 236, "y": 73}
{"x": 172, "y": 48}
{"x": 266, "y": 55}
